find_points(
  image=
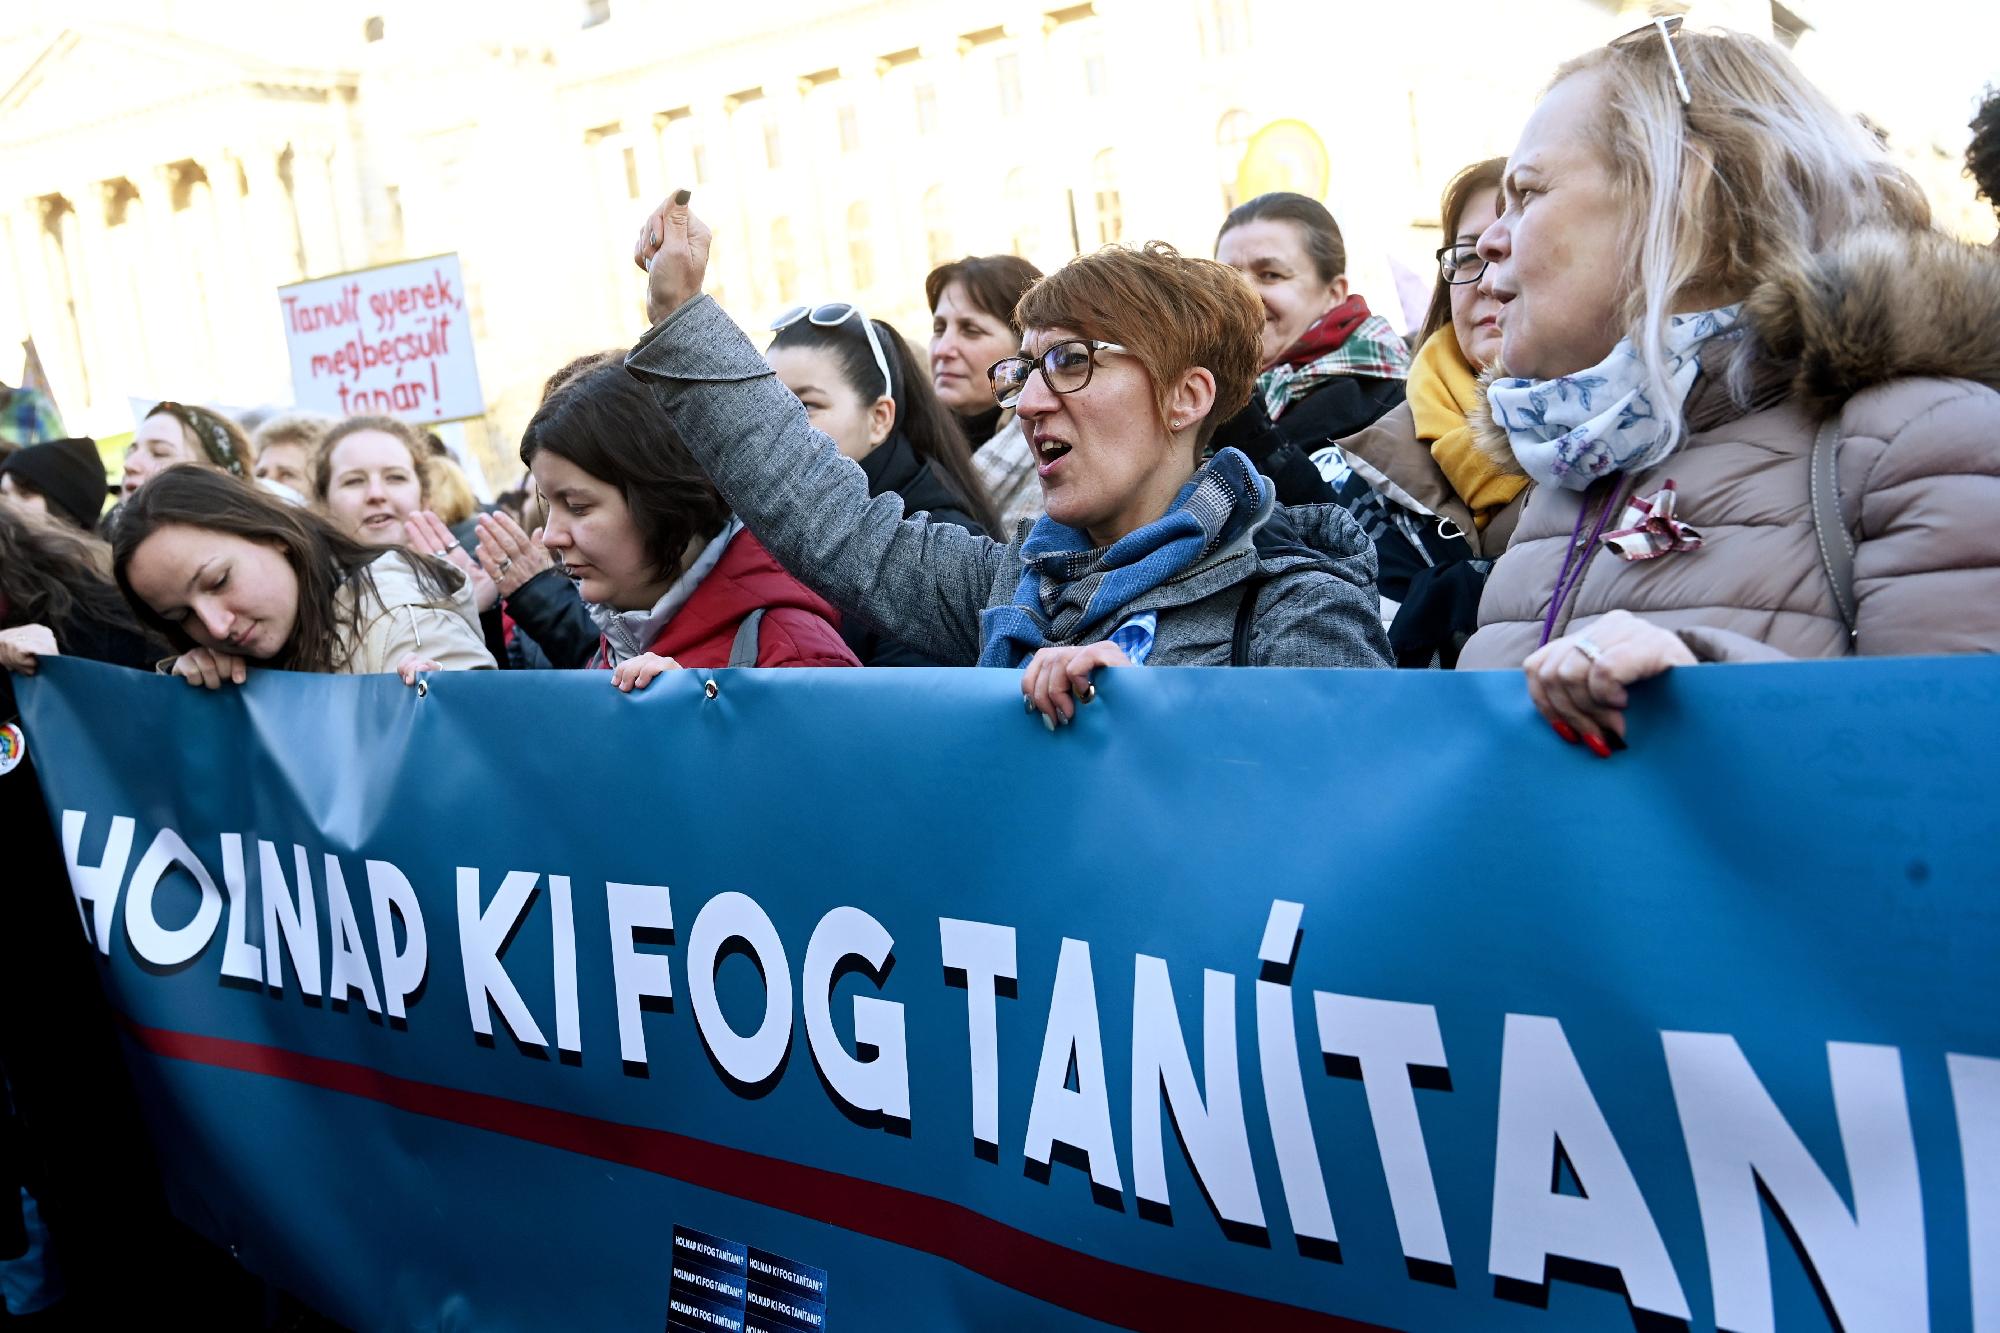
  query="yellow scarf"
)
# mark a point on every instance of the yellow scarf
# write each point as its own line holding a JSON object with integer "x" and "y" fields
{"x": 1442, "y": 389}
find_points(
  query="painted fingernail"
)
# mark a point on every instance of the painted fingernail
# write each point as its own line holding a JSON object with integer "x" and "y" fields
{"x": 1027, "y": 703}
{"x": 1597, "y": 746}
{"x": 1048, "y": 722}
{"x": 1564, "y": 730}
{"x": 682, "y": 196}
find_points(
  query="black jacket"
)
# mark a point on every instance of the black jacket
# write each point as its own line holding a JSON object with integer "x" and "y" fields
{"x": 895, "y": 465}
{"x": 549, "y": 610}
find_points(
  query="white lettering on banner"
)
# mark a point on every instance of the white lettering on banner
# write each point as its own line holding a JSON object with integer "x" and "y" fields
{"x": 98, "y": 884}
{"x": 349, "y": 971}
{"x": 240, "y": 958}
{"x": 386, "y": 340}
{"x": 481, "y": 936}
{"x": 881, "y": 1084}
{"x": 635, "y": 975}
{"x": 1975, "y": 1100}
{"x": 696, "y": 1312}
{"x": 786, "y": 1308}
{"x": 985, "y": 954}
{"x": 1870, "y": 1262}
{"x": 296, "y": 922}
{"x": 1217, "y": 1143}
{"x": 402, "y": 971}
{"x": 734, "y": 916}
{"x": 733, "y": 1291}
{"x": 790, "y": 1275}
{"x": 1080, "y": 1118}
{"x": 1546, "y": 1107}
{"x": 1386, "y": 1037}
{"x": 562, "y": 948}
{"x": 150, "y": 940}
{"x": 1284, "y": 1085}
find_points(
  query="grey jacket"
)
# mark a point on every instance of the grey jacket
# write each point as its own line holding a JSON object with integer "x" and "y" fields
{"x": 926, "y": 583}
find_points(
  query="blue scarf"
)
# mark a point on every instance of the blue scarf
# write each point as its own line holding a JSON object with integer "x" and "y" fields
{"x": 1068, "y": 586}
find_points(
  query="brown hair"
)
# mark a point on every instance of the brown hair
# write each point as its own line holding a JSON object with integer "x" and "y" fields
{"x": 1324, "y": 245}
{"x": 1468, "y": 182}
{"x": 405, "y": 434}
{"x": 216, "y": 439}
{"x": 450, "y": 492}
{"x": 604, "y": 421}
{"x": 50, "y": 572}
{"x": 994, "y": 283}
{"x": 322, "y": 557}
{"x": 1170, "y": 311}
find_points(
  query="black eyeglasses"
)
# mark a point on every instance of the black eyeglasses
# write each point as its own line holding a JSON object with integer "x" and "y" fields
{"x": 1066, "y": 366}
{"x": 1666, "y": 25}
{"x": 1460, "y": 264}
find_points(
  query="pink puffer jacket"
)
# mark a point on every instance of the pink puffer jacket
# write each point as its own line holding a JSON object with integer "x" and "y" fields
{"x": 1898, "y": 336}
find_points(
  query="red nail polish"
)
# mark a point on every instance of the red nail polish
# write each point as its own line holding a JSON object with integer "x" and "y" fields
{"x": 1565, "y": 730}
{"x": 1597, "y": 746}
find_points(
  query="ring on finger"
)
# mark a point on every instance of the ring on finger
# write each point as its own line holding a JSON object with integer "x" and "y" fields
{"x": 442, "y": 552}
{"x": 1087, "y": 692}
{"x": 505, "y": 561}
{"x": 1588, "y": 647}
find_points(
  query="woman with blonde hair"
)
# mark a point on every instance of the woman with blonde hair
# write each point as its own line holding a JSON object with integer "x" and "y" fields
{"x": 1145, "y": 555}
{"x": 1760, "y": 398}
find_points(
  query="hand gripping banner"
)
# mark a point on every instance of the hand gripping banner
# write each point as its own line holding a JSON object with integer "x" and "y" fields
{"x": 857, "y": 1000}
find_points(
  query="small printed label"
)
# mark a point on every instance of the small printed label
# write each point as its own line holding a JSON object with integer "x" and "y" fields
{"x": 720, "y": 1285}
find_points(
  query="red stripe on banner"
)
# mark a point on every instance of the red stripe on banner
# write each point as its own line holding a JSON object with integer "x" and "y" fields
{"x": 1083, "y": 1283}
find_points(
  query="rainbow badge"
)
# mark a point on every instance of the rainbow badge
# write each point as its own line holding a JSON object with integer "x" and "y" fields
{"x": 13, "y": 748}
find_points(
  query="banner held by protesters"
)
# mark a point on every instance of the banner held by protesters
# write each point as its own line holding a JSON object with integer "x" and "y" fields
{"x": 1176, "y": 1017}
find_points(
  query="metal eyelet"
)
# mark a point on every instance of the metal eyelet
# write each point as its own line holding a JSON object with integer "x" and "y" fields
{"x": 709, "y": 688}
{"x": 423, "y": 688}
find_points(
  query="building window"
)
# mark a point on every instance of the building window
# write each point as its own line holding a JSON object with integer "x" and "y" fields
{"x": 1110, "y": 209}
{"x": 860, "y": 253}
{"x": 1008, "y": 70}
{"x": 371, "y": 31}
{"x": 850, "y": 129}
{"x": 1096, "y": 77}
{"x": 596, "y": 12}
{"x": 784, "y": 260}
{"x": 1232, "y": 137}
{"x": 1024, "y": 235}
{"x": 937, "y": 226}
{"x": 927, "y": 108}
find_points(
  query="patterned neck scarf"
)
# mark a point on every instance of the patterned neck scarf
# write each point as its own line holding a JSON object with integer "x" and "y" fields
{"x": 216, "y": 439}
{"x": 1571, "y": 431}
{"x": 1068, "y": 586}
{"x": 1346, "y": 340}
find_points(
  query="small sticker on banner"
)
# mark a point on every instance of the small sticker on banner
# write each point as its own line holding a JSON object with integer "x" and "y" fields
{"x": 724, "y": 1285}
{"x": 13, "y": 748}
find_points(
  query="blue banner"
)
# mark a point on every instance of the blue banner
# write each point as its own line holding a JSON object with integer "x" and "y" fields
{"x": 857, "y": 1000}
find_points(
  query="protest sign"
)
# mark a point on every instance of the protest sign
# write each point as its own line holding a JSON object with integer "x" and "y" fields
{"x": 1266, "y": 999}
{"x": 394, "y": 340}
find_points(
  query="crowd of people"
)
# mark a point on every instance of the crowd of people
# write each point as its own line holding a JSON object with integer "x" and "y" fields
{"x": 1698, "y": 382}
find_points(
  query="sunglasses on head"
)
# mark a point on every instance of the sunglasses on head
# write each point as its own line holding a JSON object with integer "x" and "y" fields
{"x": 831, "y": 316}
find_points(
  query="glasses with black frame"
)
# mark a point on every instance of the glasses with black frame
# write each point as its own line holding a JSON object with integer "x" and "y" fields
{"x": 1066, "y": 367}
{"x": 1460, "y": 264}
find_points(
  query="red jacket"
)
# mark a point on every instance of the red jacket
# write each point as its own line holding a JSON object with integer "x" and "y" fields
{"x": 799, "y": 628}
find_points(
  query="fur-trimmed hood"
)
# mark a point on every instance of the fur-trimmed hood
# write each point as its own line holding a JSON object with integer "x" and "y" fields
{"x": 1876, "y": 306}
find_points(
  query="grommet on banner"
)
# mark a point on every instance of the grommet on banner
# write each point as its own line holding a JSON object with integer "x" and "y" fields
{"x": 709, "y": 688}
{"x": 423, "y": 688}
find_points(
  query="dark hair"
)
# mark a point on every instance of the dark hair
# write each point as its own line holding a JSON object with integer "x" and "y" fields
{"x": 1324, "y": 246}
{"x": 995, "y": 283}
{"x": 50, "y": 573}
{"x": 1468, "y": 182}
{"x": 1982, "y": 155}
{"x": 323, "y": 557}
{"x": 930, "y": 427}
{"x": 406, "y": 435}
{"x": 606, "y": 422}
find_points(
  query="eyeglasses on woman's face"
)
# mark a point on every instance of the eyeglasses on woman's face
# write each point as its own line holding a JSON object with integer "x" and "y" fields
{"x": 1460, "y": 264}
{"x": 1066, "y": 367}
